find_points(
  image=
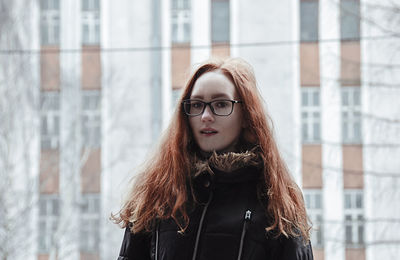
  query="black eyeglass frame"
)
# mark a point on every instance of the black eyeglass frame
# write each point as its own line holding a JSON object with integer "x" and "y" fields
{"x": 209, "y": 104}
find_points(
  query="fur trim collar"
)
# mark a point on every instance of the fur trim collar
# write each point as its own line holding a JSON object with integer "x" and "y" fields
{"x": 227, "y": 162}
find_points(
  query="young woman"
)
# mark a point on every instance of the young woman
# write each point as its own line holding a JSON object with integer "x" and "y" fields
{"x": 217, "y": 187}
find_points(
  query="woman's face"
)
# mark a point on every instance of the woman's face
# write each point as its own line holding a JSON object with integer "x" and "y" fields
{"x": 213, "y": 132}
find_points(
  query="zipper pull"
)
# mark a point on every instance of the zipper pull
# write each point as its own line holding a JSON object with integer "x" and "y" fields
{"x": 247, "y": 216}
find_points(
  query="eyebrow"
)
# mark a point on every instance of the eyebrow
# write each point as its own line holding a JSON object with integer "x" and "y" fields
{"x": 219, "y": 95}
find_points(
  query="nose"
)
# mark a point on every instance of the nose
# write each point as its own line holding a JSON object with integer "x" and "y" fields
{"x": 207, "y": 115}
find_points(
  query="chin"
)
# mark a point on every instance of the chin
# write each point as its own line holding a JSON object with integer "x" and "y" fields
{"x": 208, "y": 150}
{"x": 217, "y": 149}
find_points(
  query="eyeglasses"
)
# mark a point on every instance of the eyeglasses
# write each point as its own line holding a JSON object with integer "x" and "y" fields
{"x": 222, "y": 107}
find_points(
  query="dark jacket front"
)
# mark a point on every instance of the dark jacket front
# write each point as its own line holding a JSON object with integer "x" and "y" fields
{"x": 228, "y": 222}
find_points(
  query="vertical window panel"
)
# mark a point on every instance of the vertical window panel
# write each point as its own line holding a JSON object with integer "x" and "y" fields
{"x": 90, "y": 219}
{"x": 317, "y": 131}
{"x": 345, "y": 98}
{"x": 350, "y": 19}
{"x": 181, "y": 23}
{"x": 310, "y": 111}
{"x": 48, "y": 219}
{"x": 220, "y": 21}
{"x": 91, "y": 119}
{"x": 359, "y": 201}
{"x": 356, "y": 97}
{"x": 50, "y": 119}
{"x": 304, "y": 98}
{"x": 351, "y": 116}
{"x": 354, "y": 218}
{"x": 313, "y": 201}
{"x": 347, "y": 201}
{"x": 348, "y": 231}
{"x": 90, "y": 22}
{"x": 309, "y": 20}
{"x": 49, "y": 22}
{"x": 316, "y": 98}
{"x": 318, "y": 236}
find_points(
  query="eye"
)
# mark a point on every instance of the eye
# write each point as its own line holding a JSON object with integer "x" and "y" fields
{"x": 196, "y": 104}
{"x": 221, "y": 104}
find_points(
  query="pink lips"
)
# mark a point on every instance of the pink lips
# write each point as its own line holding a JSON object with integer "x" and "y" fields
{"x": 208, "y": 131}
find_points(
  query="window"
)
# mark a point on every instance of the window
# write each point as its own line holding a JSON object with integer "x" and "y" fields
{"x": 90, "y": 223}
{"x": 49, "y": 212}
{"x": 310, "y": 115}
{"x": 49, "y": 22}
{"x": 309, "y": 20}
{"x": 50, "y": 119}
{"x": 350, "y": 19}
{"x": 220, "y": 21}
{"x": 313, "y": 200}
{"x": 181, "y": 21}
{"x": 351, "y": 116}
{"x": 91, "y": 120}
{"x": 354, "y": 217}
{"x": 90, "y": 22}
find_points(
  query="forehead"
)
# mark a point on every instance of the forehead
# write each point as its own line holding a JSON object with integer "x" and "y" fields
{"x": 213, "y": 84}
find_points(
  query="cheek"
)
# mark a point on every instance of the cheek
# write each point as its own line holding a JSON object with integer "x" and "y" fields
{"x": 192, "y": 124}
{"x": 235, "y": 126}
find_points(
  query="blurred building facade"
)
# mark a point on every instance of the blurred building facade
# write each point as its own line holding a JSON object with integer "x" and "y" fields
{"x": 106, "y": 76}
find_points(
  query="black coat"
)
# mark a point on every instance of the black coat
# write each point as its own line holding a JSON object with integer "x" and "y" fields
{"x": 228, "y": 223}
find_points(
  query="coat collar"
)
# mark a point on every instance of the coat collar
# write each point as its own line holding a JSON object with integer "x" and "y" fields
{"x": 229, "y": 167}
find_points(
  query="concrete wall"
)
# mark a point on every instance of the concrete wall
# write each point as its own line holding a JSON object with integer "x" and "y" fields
{"x": 329, "y": 28}
{"x": 381, "y": 108}
{"x": 275, "y": 64}
{"x": 127, "y": 110}
{"x": 19, "y": 129}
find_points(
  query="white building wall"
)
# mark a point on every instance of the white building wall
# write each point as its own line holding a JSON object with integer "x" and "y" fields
{"x": 234, "y": 27}
{"x": 201, "y": 31}
{"x": 68, "y": 229}
{"x": 166, "y": 62}
{"x": 126, "y": 106}
{"x": 33, "y": 128}
{"x": 381, "y": 128}
{"x": 276, "y": 73}
{"x": 295, "y": 161}
{"x": 332, "y": 174}
{"x": 19, "y": 130}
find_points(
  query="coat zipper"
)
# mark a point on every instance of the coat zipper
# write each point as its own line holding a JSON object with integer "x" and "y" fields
{"x": 200, "y": 226}
{"x": 247, "y": 217}
{"x": 157, "y": 238}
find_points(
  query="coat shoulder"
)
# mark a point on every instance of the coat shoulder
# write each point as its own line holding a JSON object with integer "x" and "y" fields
{"x": 295, "y": 248}
{"x": 135, "y": 245}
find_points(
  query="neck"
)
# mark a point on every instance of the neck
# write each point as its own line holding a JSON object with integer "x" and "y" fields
{"x": 232, "y": 148}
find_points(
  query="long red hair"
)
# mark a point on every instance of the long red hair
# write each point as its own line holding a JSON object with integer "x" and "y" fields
{"x": 160, "y": 191}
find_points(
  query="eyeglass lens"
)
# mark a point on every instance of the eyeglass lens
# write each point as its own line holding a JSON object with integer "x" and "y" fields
{"x": 218, "y": 107}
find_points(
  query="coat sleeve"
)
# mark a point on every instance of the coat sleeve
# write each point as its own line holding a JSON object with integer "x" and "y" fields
{"x": 294, "y": 248}
{"x": 135, "y": 246}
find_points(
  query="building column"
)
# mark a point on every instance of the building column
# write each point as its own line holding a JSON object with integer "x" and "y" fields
{"x": 381, "y": 128}
{"x": 201, "y": 31}
{"x": 33, "y": 82}
{"x": 166, "y": 89}
{"x": 296, "y": 161}
{"x": 234, "y": 27}
{"x": 332, "y": 174}
{"x": 19, "y": 130}
{"x": 127, "y": 107}
{"x": 70, "y": 130}
{"x": 276, "y": 71}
